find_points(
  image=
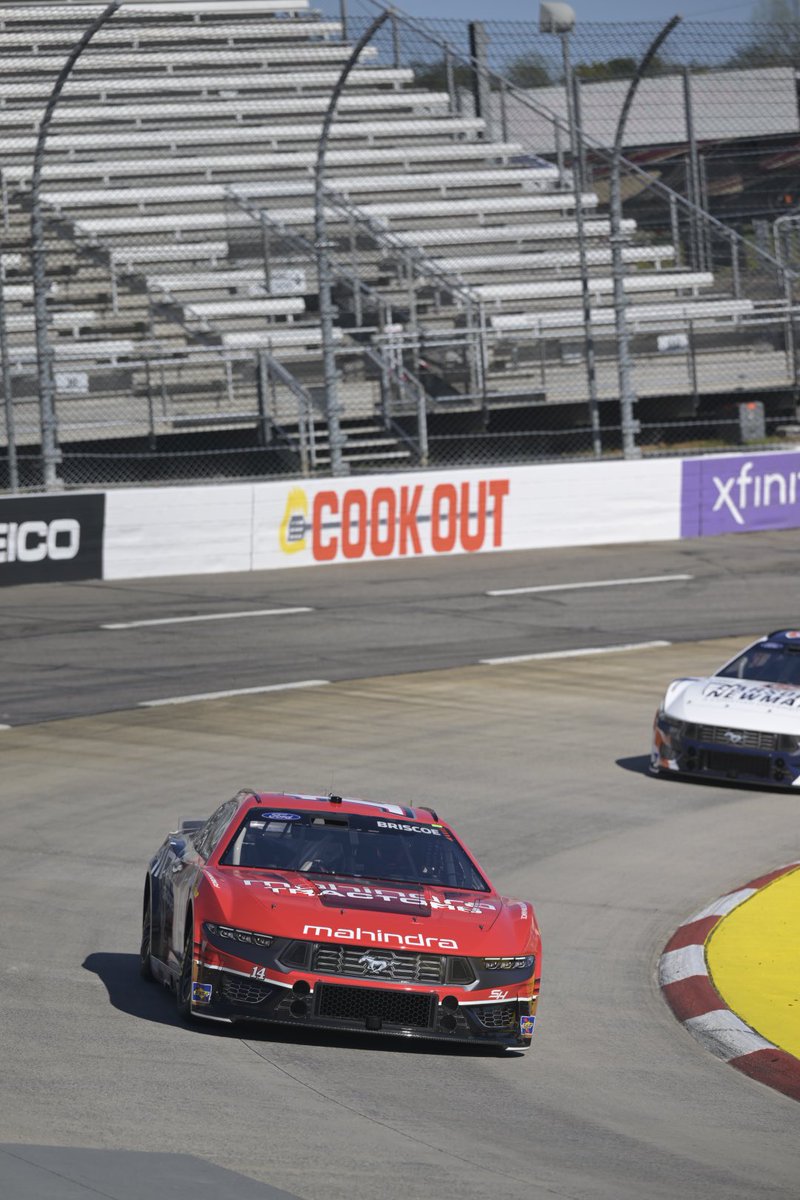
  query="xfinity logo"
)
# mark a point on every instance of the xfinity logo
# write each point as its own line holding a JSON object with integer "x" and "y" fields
{"x": 739, "y": 492}
{"x": 415, "y": 940}
{"x": 34, "y": 541}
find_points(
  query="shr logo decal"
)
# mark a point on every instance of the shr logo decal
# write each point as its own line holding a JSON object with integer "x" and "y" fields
{"x": 295, "y": 522}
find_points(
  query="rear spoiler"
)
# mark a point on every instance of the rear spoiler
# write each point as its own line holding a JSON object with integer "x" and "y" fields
{"x": 189, "y": 824}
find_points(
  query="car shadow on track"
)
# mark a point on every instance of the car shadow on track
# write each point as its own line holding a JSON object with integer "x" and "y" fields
{"x": 263, "y": 1035}
{"x": 640, "y": 765}
{"x": 128, "y": 992}
{"x": 147, "y": 1001}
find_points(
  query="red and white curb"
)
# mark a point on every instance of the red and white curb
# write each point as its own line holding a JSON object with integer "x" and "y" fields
{"x": 688, "y": 990}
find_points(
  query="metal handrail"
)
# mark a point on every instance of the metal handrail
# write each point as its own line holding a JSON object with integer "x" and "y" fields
{"x": 304, "y": 244}
{"x": 405, "y": 381}
{"x": 305, "y": 403}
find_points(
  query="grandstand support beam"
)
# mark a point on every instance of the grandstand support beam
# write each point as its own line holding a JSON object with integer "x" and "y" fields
{"x": 578, "y": 179}
{"x": 549, "y": 23}
{"x": 8, "y": 400}
{"x": 627, "y": 395}
{"x": 51, "y": 455}
{"x": 787, "y": 276}
{"x": 481, "y": 79}
{"x": 321, "y": 246}
{"x": 694, "y": 189}
{"x": 559, "y": 18}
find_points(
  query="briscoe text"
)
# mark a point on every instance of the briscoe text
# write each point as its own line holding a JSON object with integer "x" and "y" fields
{"x": 408, "y": 828}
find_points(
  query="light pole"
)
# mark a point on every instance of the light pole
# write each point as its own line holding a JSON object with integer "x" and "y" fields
{"x": 51, "y": 455}
{"x": 560, "y": 18}
{"x": 627, "y": 395}
{"x": 331, "y": 382}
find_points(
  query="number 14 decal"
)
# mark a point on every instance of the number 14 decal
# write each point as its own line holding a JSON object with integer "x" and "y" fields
{"x": 258, "y": 973}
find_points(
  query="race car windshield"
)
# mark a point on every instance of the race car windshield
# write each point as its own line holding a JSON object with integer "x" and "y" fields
{"x": 766, "y": 662}
{"x": 356, "y": 847}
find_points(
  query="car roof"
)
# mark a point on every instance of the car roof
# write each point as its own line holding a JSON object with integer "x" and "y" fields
{"x": 788, "y": 636}
{"x": 345, "y": 804}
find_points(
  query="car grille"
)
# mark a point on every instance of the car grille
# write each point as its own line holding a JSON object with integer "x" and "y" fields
{"x": 401, "y": 966}
{"x": 243, "y": 991}
{"x": 737, "y": 764}
{"x": 408, "y": 1009}
{"x": 748, "y": 739}
{"x": 496, "y": 1016}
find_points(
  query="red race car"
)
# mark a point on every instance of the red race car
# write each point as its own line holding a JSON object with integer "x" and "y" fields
{"x": 338, "y": 914}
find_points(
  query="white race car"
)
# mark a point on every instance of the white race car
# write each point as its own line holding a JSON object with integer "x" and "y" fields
{"x": 741, "y": 723}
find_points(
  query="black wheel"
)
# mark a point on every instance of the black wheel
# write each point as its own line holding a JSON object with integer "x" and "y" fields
{"x": 146, "y": 948}
{"x": 183, "y": 988}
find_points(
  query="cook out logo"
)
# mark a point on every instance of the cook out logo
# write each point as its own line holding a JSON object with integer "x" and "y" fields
{"x": 395, "y": 521}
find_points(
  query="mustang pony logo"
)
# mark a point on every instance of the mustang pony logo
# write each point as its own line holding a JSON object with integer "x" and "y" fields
{"x": 374, "y": 964}
{"x": 731, "y": 735}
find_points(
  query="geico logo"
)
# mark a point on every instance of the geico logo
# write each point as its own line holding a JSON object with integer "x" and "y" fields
{"x": 34, "y": 541}
{"x": 378, "y": 936}
{"x": 387, "y": 521}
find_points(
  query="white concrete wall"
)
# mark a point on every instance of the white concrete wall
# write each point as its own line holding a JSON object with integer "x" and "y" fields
{"x": 293, "y": 523}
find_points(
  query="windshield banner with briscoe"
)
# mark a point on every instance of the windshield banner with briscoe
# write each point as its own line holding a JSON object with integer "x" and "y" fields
{"x": 51, "y": 539}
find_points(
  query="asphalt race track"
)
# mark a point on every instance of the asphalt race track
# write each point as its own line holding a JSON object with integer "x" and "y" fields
{"x": 541, "y": 766}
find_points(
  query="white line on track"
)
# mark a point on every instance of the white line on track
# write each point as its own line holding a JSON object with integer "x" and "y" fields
{"x": 515, "y": 658}
{"x": 5, "y": 727}
{"x": 252, "y": 691}
{"x": 596, "y": 583}
{"x": 227, "y": 616}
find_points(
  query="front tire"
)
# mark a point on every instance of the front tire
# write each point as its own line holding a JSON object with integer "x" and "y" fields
{"x": 183, "y": 988}
{"x": 146, "y": 946}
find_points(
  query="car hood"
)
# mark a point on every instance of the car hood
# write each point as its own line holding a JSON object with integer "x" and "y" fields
{"x": 739, "y": 703}
{"x": 286, "y": 904}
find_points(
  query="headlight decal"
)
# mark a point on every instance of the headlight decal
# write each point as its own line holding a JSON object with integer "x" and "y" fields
{"x": 230, "y": 934}
{"x": 519, "y": 963}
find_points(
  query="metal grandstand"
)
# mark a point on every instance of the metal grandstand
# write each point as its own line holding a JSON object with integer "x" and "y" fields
{"x": 183, "y": 305}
